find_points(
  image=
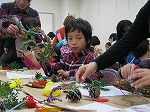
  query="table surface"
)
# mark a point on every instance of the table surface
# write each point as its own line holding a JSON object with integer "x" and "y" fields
{"x": 116, "y": 101}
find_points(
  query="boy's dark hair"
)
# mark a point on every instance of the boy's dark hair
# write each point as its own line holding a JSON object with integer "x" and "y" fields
{"x": 141, "y": 49}
{"x": 95, "y": 41}
{"x": 30, "y": 23}
{"x": 108, "y": 43}
{"x": 67, "y": 19}
{"x": 114, "y": 36}
{"x": 122, "y": 28}
{"x": 82, "y": 26}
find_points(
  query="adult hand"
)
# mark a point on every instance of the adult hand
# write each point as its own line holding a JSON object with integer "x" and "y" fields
{"x": 143, "y": 76}
{"x": 12, "y": 29}
{"x": 127, "y": 70}
{"x": 85, "y": 71}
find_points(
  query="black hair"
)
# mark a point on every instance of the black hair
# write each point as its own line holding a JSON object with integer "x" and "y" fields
{"x": 108, "y": 43}
{"x": 114, "y": 36}
{"x": 30, "y": 23}
{"x": 51, "y": 35}
{"x": 95, "y": 41}
{"x": 82, "y": 26}
{"x": 141, "y": 49}
{"x": 122, "y": 28}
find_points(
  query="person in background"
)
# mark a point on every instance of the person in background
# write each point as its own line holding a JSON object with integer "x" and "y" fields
{"x": 140, "y": 72}
{"x": 29, "y": 24}
{"x": 139, "y": 53}
{"x": 107, "y": 46}
{"x": 95, "y": 41}
{"x": 98, "y": 50}
{"x": 20, "y": 9}
{"x": 138, "y": 32}
{"x": 112, "y": 38}
{"x": 60, "y": 33}
{"x": 78, "y": 34}
{"x": 122, "y": 28}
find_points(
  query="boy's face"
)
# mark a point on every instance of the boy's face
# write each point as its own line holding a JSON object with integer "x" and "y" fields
{"x": 22, "y": 4}
{"x": 76, "y": 41}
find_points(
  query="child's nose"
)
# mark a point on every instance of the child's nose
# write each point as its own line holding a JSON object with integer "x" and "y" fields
{"x": 74, "y": 42}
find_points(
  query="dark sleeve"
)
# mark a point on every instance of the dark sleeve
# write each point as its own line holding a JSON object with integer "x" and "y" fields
{"x": 136, "y": 34}
{"x": 144, "y": 64}
{"x": 9, "y": 42}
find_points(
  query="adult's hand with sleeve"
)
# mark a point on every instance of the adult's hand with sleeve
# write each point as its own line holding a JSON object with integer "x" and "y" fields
{"x": 85, "y": 71}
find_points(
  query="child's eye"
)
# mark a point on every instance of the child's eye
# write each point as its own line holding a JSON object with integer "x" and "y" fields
{"x": 79, "y": 38}
{"x": 69, "y": 38}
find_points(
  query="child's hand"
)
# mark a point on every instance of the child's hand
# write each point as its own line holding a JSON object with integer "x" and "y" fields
{"x": 63, "y": 74}
{"x": 126, "y": 70}
{"x": 143, "y": 77}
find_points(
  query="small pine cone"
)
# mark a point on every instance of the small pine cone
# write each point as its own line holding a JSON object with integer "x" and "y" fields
{"x": 94, "y": 92}
{"x": 37, "y": 75}
{"x": 1, "y": 107}
{"x": 74, "y": 95}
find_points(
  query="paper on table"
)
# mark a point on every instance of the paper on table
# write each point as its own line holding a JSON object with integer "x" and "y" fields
{"x": 11, "y": 75}
{"x": 96, "y": 106}
{"x": 113, "y": 91}
{"x": 139, "y": 108}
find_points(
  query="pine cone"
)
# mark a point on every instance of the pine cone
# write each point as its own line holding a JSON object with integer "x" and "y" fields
{"x": 94, "y": 92}
{"x": 74, "y": 95}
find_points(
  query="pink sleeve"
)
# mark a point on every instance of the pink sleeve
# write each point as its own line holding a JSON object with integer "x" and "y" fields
{"x": 30, "y": 64}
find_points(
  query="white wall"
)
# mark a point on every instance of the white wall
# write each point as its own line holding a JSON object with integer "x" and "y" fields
{"x": 105, "y": 14}
{"x": 102, "y": 14}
